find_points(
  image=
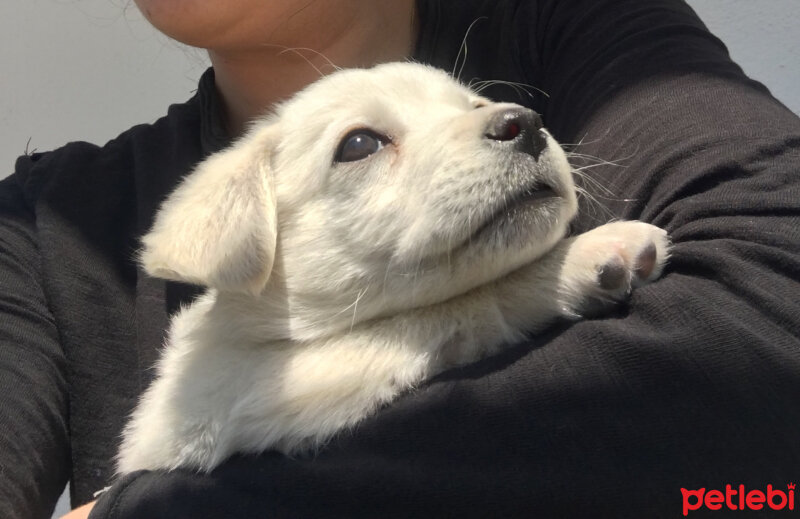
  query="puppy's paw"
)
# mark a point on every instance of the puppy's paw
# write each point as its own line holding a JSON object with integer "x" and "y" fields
{"x": 603, "y": 265}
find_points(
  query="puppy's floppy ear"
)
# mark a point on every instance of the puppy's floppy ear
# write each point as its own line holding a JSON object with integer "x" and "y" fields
{"x": 219, "y": 227}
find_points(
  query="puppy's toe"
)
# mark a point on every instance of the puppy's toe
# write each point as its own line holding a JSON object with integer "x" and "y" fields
{"x": 613, "y": 274}
{"x": 646, "y": 262}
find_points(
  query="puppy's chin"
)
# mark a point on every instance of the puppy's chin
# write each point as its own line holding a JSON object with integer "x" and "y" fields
{"x": 529, "y": 216}
{"x": 514, "y": 231}
{"x": 524, "y": 221}
{"x": 514, "y": 236}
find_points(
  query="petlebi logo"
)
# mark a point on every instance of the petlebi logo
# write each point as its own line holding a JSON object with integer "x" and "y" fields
{"x": 739, "y": 498}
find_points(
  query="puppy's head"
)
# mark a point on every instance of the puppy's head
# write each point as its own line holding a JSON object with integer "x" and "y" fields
{"x": 397, "y": 184}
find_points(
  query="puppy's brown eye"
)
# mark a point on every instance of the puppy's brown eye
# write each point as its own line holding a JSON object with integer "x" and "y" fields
{"x": 358, "y": 145}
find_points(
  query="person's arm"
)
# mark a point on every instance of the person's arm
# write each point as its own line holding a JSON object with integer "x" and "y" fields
{"x": 694, "y": 384}
{"x": 34, "y": 446}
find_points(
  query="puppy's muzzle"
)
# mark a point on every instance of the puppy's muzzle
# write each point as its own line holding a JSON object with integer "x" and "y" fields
{"x": 517, "y": 127}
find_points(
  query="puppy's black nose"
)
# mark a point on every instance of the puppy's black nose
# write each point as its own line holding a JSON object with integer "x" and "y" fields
{"x": 519, "y": 126}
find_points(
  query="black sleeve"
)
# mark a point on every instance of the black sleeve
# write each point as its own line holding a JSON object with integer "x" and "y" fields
{"x": 34, "y": 447}
{"x": 694, "y": 384}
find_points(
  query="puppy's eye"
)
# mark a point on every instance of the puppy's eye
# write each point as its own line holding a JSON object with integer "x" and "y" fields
{"x": 358, "y": 145}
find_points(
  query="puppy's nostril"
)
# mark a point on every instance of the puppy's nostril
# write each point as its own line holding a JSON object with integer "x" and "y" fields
{"x": 511, "y": 132}
{"x": 509, "y": 124}
{"x": 504, "y": 126}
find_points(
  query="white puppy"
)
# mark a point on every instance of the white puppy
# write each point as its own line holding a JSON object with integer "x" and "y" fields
{"x": 381, "y": 226}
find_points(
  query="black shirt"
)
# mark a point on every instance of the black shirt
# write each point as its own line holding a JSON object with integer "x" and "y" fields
{"x": 694, "y": 383}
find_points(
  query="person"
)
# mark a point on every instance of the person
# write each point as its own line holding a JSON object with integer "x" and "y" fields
{"x": 692, "y": 385}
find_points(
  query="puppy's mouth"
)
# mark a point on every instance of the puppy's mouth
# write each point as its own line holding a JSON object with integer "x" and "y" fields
{"x": 518, "y": 206}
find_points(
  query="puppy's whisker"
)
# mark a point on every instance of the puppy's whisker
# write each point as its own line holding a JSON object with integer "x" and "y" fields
{"x": 464, "y": 49}
{"x": 598, "y": 160}
{"x": 605, "y": 193}
{"x": 449, "y": 250}
{"x": 595, "y": 206}
{"x": 518, "y": 87}
{"x": 297, "y": 50}
{"x": 590, "y": 166}
{"x": 569, "y": 145}
{"x": 584, "y": 156}
{"x": 386, "y": 276}
{"x": 579, "y": 143}
{"x": 469, "y": 225}
{"x": 596, "y": 184}
{"x": 361, "y": 294}
{"x": 590, "y": 202}
{"x": 316, "y": 68}
{"x": 593, "y": 162}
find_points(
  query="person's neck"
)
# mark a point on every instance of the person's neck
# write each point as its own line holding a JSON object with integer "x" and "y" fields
{"x": 250, "y": 81}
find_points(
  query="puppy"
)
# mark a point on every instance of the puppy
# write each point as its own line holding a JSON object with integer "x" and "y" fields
{"x": 381, "y": 226}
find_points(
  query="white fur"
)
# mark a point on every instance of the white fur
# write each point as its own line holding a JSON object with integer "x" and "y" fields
{"x": 336, "y": 286}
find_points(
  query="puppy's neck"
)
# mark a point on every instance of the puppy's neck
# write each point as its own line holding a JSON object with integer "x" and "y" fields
{"x": 300, "y": 311}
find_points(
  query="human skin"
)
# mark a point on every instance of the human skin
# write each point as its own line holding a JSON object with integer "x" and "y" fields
{"x": 250, "y": 42}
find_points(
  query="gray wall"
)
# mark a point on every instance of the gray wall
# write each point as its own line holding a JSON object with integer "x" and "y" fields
{"x": 763, "y": 36}
{"x": 83, "y": 70}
